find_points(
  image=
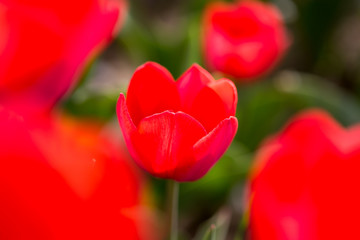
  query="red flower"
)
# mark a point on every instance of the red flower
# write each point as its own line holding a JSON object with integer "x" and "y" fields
{"x": 45, "y": 44}
{"x": 243, "y": 40}
{"x": 59, "y": 179}
{"x": 177, "y": 130}
{"x": 305, "y": 185}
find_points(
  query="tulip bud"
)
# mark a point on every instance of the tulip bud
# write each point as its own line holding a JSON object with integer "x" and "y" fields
{"x": 243, "y": 40}
{"x": 177, "y": 130}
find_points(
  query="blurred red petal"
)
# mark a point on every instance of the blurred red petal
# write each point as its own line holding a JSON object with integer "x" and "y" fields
{"x": 308, "y": 176}
{"x": 245, "y": 39}
{"x": 48, "y": 191}
{"x": 63, "y": 35}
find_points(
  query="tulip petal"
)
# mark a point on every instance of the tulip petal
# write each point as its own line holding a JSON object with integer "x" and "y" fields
{"x": 210, "y": 148}
{"x": 214, "y": 103}
{"x": 308, "y": 153}
{"x": 152, "y": 90}
{"x": 165, "y": 142}
{"x": 128, "y": 128}
{"x": 209, "y": 101}
{"x": 227, "y": 92}
{"x": 323, "y": 124}
{"x": 317, "y": 121}
{"x": 190, "y": 84}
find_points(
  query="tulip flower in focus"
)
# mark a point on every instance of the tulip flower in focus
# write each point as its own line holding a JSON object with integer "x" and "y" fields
{"x": 244, "y": 39}
{"x": 61, "y": 179}
{"x": 44, "y": 45}
{"x": 305, "y": 183}
{"x": 177, "y": 130}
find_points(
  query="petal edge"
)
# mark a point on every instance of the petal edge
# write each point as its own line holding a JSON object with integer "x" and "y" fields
{"x": 152, "y": 89}
{"x": 211, "y": 147}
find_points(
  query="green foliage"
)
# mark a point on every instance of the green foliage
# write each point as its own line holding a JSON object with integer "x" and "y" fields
{"x": 264, "y": 107}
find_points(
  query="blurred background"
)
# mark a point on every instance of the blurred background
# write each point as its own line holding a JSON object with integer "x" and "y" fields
{"x": 320, "y": 69}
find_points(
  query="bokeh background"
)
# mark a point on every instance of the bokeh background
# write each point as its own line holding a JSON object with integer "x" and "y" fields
{"x": 320, "y": 69}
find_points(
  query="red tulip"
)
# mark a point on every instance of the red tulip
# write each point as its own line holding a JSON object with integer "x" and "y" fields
{"x": 45, "y": 44}
{"x": 177, "y": 130}
{"x": 62, "y": 180}
{"x": 244, "y": 39}
{"x": 305, "y": 185}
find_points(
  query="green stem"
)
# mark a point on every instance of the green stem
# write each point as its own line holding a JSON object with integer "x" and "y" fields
{"x": 210, "y": 233}
{"x": 213, "y": 232}
{"x": 173, "y": 209}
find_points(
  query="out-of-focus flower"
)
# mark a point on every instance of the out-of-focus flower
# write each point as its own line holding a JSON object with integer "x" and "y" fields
{"x": 59, "y": 179}
{"x": 305, "y": 183}
{"x": 244, "y": 39}
{"x": 177, "y": 130}
{"x": 44, "y": 45}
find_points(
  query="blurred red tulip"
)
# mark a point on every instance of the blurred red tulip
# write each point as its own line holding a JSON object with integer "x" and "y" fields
{"x": 45, "y": 44}
{"x": 177, "y": 130}
{"x": 244, "y": 39}
{"x": 59, "y": 179}
{"x": 305, "y": 184}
